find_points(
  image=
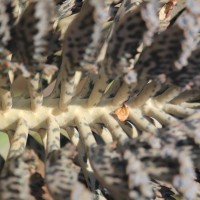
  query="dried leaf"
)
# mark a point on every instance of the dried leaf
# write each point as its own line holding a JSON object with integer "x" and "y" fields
{"x": 122, "y": 113}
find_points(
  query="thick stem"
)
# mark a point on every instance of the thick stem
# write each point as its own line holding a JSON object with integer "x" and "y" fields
{"x": 186, "y": 96}
{"x": 35, "y": 92}
{"x": 168, "y": 95}
{"x": 19, "y": 139}
{"x": 67, "y": 90}
{"x": 6, "y": 100}
{"x": 137, "y": 118}
{"x": 112, "y": 89}
{"x": 85, "y": 133}
{"x": 178, "y": 111}
{"x": 129, "y": 128}
{"x": 123, "y": 94}
{"x": 148, "y": 91}
{"x": 53, "y": 135}
{"x": 103, "y": 132}
{"x": 153, "y": 110}
{"x": 98, "y": 90}
{"x": 5, "y": 94}
{"x": 82, "y": 154}
{"x": 113, "y": 126}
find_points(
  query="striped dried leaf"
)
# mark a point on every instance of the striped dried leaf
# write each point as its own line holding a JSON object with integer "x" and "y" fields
{"x": 137, "y": 25}
{"x": 62, "y": 173}
{"x": 122, "y": 113}
{"x": 172, "y": 48}
{"x": 188, "y": 77}
{"x": 31, "y": 33}
{"x": 83, "y": 38}
{"x": 14, "y": 180}
{"x": 6, "y": 23}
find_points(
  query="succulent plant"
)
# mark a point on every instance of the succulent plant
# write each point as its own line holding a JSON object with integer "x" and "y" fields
{"x": 109, "y": 100}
